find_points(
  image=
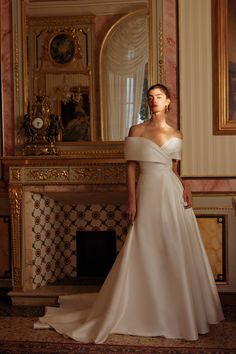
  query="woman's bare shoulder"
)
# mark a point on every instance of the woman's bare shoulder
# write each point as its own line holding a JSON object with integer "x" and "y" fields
{"x": 137, "y": 129}
{"x": 178, "y": 134}
{"x": 175, "y": 133}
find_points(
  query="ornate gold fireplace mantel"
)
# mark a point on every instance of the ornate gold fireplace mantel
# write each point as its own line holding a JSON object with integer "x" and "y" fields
{"x": 87, "y": 173}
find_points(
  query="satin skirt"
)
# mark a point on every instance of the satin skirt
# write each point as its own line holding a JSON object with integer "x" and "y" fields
{"x": 161, "y": 283}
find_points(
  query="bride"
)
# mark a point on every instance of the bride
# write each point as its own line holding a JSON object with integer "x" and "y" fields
{"x": 161, "y": 283}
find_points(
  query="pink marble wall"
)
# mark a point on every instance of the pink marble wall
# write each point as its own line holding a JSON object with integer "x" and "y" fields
{"x": 170, "y": 57}
{"x": 211, "y": 185}
{"x": 7, "y": 78}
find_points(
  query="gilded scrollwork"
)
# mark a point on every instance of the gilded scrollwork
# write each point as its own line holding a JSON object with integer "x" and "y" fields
{"x": 47, "y": 174}
{"x": 15, "y": 174}
{"x": 112, "y": 174}
{"x": 16, "y": 195}
{"x": 116, "y": 173}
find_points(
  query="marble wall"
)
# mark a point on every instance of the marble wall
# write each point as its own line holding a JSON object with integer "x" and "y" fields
{"x": 7, "y": 77}
{"x": 170, "y": 53}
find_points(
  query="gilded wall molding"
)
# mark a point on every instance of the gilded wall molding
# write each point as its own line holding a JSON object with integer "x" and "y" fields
{"x": 16, "y": 195}
{"x": 16, "y": 65}
{"x": 161, "y": 71}
{"x": 156, "y": 45}
{"x": 19, "y": 63}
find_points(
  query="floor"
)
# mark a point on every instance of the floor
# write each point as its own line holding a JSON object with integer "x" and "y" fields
{"x": 16, "y": 323}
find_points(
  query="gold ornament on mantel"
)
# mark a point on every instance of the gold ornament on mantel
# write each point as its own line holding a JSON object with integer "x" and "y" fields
{"x": 41, "y": 128}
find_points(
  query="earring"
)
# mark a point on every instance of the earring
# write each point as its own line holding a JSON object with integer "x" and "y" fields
{"x": 166, "y": 107}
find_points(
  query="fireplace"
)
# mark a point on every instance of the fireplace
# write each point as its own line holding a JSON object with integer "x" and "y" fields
{"x": 96, "y": 253}
{"x": 53, "y": 197}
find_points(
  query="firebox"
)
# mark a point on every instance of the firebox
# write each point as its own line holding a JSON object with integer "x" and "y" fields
{"x": 96, "y": 253}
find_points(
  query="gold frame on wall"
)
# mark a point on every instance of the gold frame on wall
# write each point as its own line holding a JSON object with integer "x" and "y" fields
{"x": 222, "y": 124}
{"x": 63, "y": 58}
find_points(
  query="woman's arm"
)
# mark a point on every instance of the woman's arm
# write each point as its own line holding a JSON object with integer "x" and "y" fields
{"x": 131, "y": 172}
{"x": 187, "y": 194}
{"x": 132, "y": 208}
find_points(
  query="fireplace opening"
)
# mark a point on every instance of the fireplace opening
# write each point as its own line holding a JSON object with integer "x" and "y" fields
{"x": 96, "y": 253}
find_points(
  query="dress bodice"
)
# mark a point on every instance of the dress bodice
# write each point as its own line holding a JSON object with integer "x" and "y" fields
{"x": 143, "y": 149}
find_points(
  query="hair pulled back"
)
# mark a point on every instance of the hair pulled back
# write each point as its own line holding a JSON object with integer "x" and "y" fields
{"x": 163, "y": 88}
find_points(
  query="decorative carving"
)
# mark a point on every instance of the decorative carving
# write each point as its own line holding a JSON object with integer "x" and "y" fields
{"x": 96, "y": 154}
{"x": 48, "y": 174}
{"x": 16, "y": 194}
{"x": 113, "y": 174}
{"x": 62, "y": 46}
{"x": 15, "y": 174}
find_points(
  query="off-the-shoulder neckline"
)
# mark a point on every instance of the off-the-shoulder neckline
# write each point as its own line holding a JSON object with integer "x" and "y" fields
{"x": 151, "y": 141}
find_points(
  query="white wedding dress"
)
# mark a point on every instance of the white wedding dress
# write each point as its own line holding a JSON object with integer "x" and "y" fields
{"x": 161, "y": 283}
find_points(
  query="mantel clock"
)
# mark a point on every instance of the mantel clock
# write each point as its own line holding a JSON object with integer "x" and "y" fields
{"x": 41, "y": 128}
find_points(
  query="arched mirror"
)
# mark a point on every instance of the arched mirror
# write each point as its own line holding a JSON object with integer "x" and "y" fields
{"x": 124, "y": 74}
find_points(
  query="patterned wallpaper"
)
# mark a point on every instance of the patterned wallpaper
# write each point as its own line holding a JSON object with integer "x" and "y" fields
{"x": 54, "y": 227}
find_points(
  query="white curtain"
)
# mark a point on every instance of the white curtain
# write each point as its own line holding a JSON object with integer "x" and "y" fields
{"x": 124, "y": 66}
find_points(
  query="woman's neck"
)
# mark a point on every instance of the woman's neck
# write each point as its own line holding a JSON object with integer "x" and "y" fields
{"x": 158, "y": 119}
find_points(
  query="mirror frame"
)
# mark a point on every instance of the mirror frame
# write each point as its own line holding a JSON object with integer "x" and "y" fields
{"x": 91, "y": 148}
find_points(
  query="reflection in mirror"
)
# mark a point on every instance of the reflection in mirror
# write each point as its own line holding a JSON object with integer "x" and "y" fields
{"x": 60, "y": 67}
{"x": 124, "y": 75}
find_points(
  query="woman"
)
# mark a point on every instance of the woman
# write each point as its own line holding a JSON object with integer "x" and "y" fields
{"x": 161, "y": 283}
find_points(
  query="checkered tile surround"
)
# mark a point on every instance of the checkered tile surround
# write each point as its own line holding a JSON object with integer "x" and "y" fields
{"x": 54, "y": 227}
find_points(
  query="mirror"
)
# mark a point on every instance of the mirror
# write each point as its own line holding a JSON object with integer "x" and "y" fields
{"x": 60, "y": 54}
{"x": 59, "y": 57}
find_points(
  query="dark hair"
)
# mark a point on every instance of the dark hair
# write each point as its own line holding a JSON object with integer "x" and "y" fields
{"x": 163, "y": 88}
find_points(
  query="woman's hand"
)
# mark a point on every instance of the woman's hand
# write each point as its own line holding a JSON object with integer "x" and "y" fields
{"x": 131, "y": 212}
{"x": 187, "y": 195}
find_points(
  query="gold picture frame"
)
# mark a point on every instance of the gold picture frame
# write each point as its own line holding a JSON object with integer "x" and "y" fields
{"x": 62, "y": 48}
{"x": 224, "y": 77}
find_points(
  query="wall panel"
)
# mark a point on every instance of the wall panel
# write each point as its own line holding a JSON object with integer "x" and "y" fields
{"x": 204, "y": 154}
